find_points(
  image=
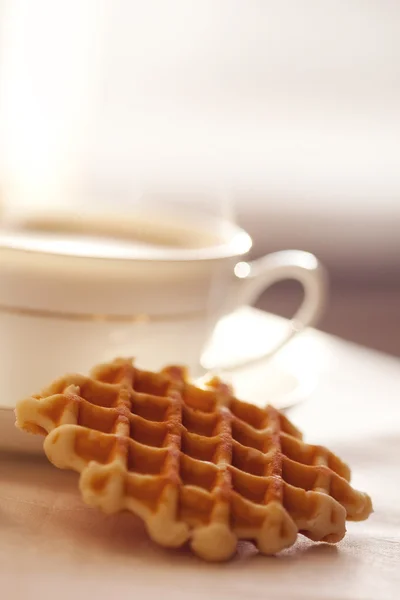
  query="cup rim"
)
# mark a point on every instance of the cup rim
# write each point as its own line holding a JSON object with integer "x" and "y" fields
{"x": 236, "y": 242}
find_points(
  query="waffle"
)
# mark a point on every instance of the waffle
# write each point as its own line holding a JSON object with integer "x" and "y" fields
{"x": 195, "y": 463}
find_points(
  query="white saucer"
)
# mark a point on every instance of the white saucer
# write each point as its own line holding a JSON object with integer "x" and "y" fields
{"x": 283, "y": 381}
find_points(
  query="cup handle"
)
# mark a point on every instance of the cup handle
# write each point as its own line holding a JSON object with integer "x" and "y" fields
{"x": 253, "y": 278}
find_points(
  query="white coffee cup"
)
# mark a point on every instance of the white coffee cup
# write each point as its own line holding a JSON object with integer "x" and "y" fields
{"x": 69, "y": 301}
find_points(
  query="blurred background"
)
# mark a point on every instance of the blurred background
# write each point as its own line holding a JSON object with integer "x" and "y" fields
{"x": 291, "y": 107}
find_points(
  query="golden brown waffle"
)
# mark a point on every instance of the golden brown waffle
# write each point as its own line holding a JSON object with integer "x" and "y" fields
{"x": 194, "y": 463}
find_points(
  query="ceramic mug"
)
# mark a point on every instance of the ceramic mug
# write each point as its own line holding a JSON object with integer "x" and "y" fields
{"x": 68, "y": 302}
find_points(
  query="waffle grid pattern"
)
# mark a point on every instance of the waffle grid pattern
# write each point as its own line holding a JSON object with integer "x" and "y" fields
{"x": 195, "y": 464}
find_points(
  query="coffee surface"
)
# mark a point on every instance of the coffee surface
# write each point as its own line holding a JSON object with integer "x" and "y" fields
{"x": 107, "y": 236}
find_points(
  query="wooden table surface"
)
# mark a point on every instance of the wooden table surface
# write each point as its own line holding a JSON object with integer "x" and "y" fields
{"x": 53, "y": 546}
